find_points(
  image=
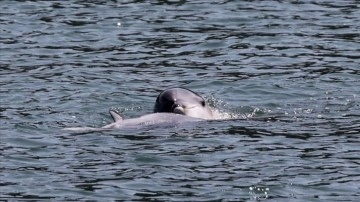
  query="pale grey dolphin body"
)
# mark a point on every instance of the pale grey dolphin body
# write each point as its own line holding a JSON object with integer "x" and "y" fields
{"x": 149, "y": 120}
{"x": 173, "y": 106}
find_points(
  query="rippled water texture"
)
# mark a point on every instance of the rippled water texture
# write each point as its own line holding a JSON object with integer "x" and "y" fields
{"x": 286, "y": 72}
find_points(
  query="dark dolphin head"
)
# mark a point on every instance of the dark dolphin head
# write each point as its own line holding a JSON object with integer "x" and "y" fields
{"x": 182, "y": 101}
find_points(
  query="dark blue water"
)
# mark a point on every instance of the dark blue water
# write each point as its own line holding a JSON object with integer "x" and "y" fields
{"x": 285, "y": 73}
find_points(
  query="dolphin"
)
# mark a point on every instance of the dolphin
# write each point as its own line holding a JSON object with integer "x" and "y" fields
{"x": 173, "y": 106}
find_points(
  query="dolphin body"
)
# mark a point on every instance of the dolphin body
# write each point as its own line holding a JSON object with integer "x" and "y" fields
{"x": 149, "y": 120}
{"x": 173, "y": 106}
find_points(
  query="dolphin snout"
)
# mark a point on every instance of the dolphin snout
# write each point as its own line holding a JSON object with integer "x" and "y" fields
{"x": 177, "y": 109}
{"x": 175, "y": 106}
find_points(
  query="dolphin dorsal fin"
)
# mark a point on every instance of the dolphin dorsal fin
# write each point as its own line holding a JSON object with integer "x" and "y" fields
{"x": 115, "y": 115}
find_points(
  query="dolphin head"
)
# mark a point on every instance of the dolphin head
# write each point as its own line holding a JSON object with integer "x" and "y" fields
{"x": 182, "y": 101}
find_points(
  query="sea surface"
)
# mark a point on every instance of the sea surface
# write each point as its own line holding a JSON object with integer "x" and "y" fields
{"x": 285, "y": 75}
